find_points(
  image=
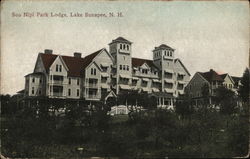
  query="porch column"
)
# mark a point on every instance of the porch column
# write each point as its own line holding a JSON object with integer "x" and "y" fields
{"x": 163, "y": 101}
{"x": 159, "y": 101}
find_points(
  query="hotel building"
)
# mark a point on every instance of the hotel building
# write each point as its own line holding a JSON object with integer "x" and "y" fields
{"x": 108, "y": 73}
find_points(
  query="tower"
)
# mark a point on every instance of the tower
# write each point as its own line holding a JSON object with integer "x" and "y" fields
{"x": 120, "y": 49}
{"x": 163, "y": 58}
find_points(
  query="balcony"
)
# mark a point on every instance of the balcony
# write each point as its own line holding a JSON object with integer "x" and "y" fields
{"x": 57, "y": 94}
{"x": 56, "y": 80}
{"x": 59, "y": 82}
{"x": 93, "y": 96}
{"x": 92, "y": 85}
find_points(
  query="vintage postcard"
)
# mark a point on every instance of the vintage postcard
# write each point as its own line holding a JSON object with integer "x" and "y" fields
{"x": 124, "y": 79}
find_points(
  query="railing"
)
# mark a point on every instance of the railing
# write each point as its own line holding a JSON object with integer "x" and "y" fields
{"x": 94, "y": 85}
{"x": 60, "y": 94}
{"x": 90, "y": 96}
{"x": 57, "y": 82}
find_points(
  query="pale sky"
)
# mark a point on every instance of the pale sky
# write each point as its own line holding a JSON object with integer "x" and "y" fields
{"x": 205, "y": 34}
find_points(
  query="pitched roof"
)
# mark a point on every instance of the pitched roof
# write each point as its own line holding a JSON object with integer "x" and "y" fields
{"x": 236, "y": 79}
{"x": 76, "y": 65}
{"x": 47, "y": 60}
{"x": 120, "y": 39}
{"x": 223, "y": 75}
{"x": 163, "y": 46}
{"x": 136, "y": 62}
{"x": 211, "y": 76}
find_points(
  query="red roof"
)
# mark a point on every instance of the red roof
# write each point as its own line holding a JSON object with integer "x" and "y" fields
{"x": 76, "y": 65}
{"x": 136, "y": 62}
{"x": 211, "y": 76}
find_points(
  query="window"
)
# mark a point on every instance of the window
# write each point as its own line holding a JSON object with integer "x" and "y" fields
{"x": 120, "y": 46}
{"x": 78, "y": 92}
{"x": 33, "y": 80}
{"x": 155, "y": 72}
{"x": 40, "y": 80}
{"x": 124, "y": 46}
{"x": 40, "y": 92}
{"x": 56, "y": 68}
{"x": 69, "y": 80}
{"x": 120, "y": 67}
{"x": 69, "y": 92}
{"x": 127, "y": 47}
{"x": 78, "y": 81}
{"x": 165, "y": 52}
{"x": 127, "y": 67}
{"x": 33, "y": 90}
{"x": 93, "y": 71}
{"x": 124, "y": 67}
{"x": 168, "y": 53}
{"x": 60, "y": 68}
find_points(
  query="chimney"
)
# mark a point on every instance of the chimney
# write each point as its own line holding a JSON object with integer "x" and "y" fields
{"x": 77, "y": 54}
{"x": 48, "y": 51}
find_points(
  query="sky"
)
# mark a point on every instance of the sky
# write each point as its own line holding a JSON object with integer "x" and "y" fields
{"x": 204, "y": 34}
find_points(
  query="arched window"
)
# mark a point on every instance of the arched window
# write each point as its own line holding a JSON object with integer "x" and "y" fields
{"x": 124, "y": 46}
{"x": 168, "y": 53}
{"x": 127, "y": 47}
{"x": 120, "y": 46}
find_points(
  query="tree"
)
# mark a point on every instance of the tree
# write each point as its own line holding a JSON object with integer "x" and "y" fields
{"x": 244, "y": 87}
{"x": 5, "y": 107}
{"x": 184, "y": 106}
{"x": 205, "y": 93}
{"x": 226, "y": 99}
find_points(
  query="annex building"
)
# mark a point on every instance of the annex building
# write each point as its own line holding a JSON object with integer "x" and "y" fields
{"x": 108, "y": 72}
{"x": 213, "y": 81}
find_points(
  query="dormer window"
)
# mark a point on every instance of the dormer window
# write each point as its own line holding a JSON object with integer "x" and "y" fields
{"x": 165, "y": 52}
{"x": 123, "y": 46}
{"x": 120, "y": 46}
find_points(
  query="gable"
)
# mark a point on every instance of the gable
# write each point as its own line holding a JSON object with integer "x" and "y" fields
{"x": 91, "y": 66}
{"x": 197, "y": 78}
{"x": 103, "y": 58}
{"x": 180, "y": 67}
{"x": 145, "y": 66}
{"x": 228, "y": 79}
{"x": 59, "y": 61}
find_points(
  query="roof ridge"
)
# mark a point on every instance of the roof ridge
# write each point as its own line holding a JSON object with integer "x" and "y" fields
{"x": 141, "y": 58}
